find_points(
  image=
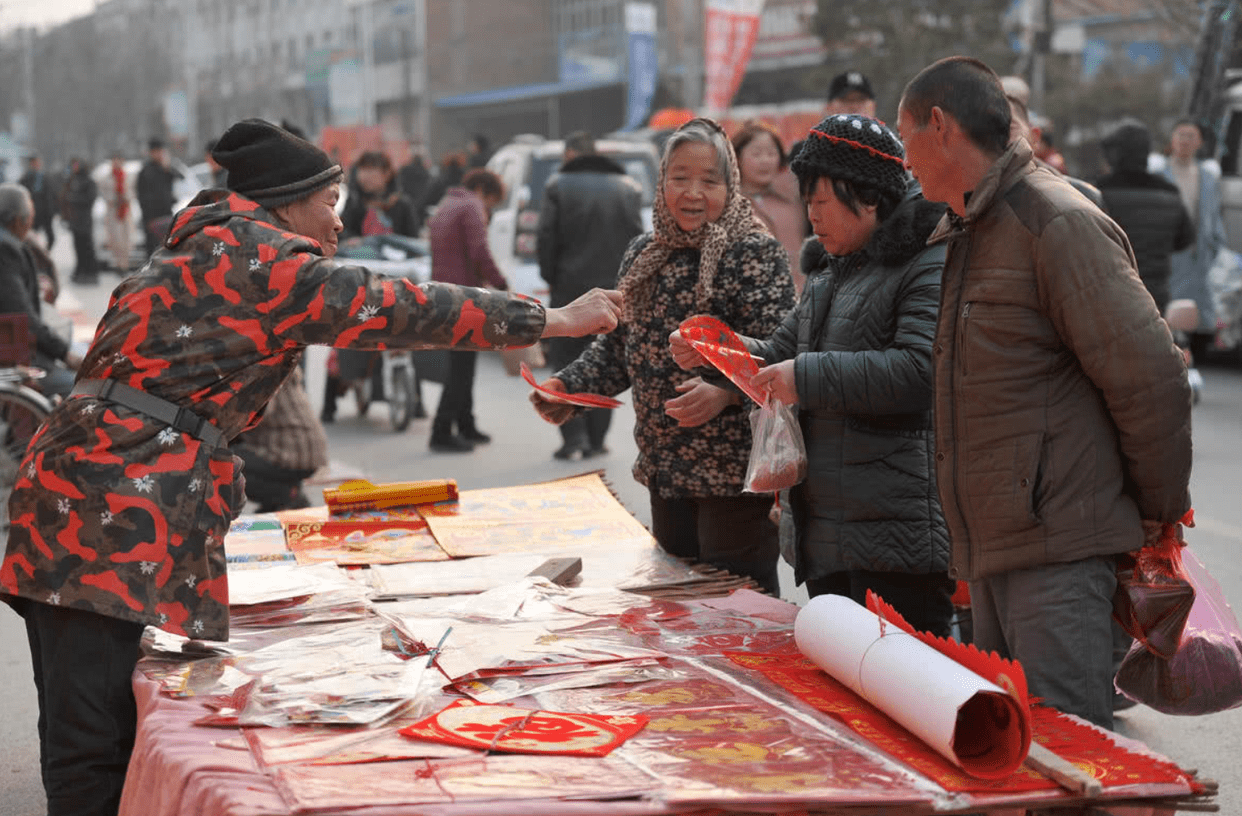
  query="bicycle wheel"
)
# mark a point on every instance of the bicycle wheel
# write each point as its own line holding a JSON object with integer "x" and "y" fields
{"x": 22, "y": 411}
{"x": 400, "y": 399}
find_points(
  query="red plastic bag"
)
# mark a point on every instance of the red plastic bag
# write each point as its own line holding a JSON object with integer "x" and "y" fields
{"x": 1205, "y": 674}
{"x": 777, "y": 453}
{"x": 1154, "y": 597}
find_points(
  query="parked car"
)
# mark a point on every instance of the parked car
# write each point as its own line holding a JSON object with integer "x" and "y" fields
{"x": 184, "y": 189}
{"x": 525, "y": 165}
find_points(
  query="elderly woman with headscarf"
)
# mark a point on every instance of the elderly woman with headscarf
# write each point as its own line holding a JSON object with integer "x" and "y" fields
{"x": 856, "y": 359}
{"x": 708, "y": 254}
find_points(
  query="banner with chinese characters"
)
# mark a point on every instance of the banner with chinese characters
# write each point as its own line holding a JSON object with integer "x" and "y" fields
{"x": 730, "y": 28}
{"x": 642, "y": 62}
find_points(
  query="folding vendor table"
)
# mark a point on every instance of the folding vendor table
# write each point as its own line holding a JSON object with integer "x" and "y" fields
{"x": 732, "y": 718}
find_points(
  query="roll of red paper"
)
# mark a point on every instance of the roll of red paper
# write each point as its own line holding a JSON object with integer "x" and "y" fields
{"x": 966, "y": 718}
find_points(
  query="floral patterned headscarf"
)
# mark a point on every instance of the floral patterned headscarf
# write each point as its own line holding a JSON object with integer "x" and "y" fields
{"x": 736, "y": 221}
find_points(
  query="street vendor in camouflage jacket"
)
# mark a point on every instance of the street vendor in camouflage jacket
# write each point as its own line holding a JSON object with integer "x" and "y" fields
{"x": 120, "y": 507}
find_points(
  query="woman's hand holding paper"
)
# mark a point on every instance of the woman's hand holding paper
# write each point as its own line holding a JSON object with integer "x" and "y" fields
{"x": 555, "y": 412}
{"x": 684, "y": 354}
{"x": 778, "y": 380}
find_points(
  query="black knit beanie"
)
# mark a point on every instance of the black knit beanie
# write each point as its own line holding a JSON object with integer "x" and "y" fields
{"x": 855, "y": 148}
{"x": 271, "y": 166}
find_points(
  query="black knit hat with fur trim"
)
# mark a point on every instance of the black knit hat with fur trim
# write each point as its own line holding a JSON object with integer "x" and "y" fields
{"x": 855, "y": 148}
{"x": 271, "y": 166}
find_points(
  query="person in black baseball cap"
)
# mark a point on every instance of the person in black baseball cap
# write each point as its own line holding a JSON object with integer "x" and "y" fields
{"x": 191, "y": 349}
{"x": 850, "y": 92}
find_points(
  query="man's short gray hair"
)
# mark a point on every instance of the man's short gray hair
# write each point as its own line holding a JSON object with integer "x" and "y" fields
{"x": 15, "y": 204}
{"x": 700, "y": 131}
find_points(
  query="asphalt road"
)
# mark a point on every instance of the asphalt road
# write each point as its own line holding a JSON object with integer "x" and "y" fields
{"x": 521, "y": 453}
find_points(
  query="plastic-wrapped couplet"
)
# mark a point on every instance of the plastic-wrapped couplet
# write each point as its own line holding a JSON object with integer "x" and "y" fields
{"x": 970, "y": 721}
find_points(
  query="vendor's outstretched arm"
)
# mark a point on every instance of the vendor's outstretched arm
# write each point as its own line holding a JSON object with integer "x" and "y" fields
{"x": 596, "y": 312}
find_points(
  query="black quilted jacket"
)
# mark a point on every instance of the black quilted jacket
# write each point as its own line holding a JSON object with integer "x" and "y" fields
{"x": 861, "y": 339}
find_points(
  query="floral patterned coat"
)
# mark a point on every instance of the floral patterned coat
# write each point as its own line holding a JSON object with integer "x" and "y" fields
{"x": 114, "y": 512}
{"x": 753, "y": 292}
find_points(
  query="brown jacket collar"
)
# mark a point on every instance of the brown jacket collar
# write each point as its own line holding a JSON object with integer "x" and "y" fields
{"x": 1016, "y": 161}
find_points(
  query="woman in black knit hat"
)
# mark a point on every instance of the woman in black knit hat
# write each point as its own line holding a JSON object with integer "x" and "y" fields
{"x": 855, "y": 356}
{"x": 124, "y": 497}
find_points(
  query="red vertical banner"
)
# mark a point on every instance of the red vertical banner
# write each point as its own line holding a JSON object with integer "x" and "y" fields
{"x": 730, "y": 28}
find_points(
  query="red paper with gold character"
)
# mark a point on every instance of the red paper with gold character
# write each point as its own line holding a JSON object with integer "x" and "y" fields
{"x": 508, "y": 729}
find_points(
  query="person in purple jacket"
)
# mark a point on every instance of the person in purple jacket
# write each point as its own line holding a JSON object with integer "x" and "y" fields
{"x": 459, "y": 254}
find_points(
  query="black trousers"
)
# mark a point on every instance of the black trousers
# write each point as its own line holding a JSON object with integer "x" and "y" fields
{"x": 47, "y": 229}
{"x": 457, "y": 399}
{"x": 83, "y": 666}
{"x": 925, "y": 601}
{"x": 732, "y": 533}
{"x": 588, "y": 429}
{"x": 87, "y": 266}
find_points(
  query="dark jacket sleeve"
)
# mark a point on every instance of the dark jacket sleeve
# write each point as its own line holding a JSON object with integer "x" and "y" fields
{"x": 546, "y": 242}
{"x": 893, "y": 380}
{"x": 16, "y": 298}
{"x": 1185, "y": 235}
{"x": 148, "y": 195}
{"x": 1101, "y": 311}
{"x": 404, "y": 217}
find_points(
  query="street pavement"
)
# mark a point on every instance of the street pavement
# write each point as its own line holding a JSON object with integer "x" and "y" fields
{"x": 521, "y": 453}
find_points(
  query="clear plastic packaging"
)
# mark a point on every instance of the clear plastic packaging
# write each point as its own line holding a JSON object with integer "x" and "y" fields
{"x": 777, "y": 454}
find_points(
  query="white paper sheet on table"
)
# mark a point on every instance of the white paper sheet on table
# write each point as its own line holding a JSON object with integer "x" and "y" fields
{"x": 248, "y": 587}
{"x": 457, "y": 577}
{"x": 969, "y": 720}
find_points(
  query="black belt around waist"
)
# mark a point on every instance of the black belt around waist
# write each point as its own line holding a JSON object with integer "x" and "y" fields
{"x": 158, "y": 408}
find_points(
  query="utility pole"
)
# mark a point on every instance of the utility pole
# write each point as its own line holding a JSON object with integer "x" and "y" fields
{"x": 424, "y": 90}
{"x": 1041, "y": 45}
{"x": 368, "y": 62}
{"x": 692, "y": 53}
{"x": 28, "y": 93}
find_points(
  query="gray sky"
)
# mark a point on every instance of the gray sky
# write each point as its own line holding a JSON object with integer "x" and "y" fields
{"x": 40, "y": 13}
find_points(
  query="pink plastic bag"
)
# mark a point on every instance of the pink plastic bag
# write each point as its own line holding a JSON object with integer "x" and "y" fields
{"x": 1205, "y": 674}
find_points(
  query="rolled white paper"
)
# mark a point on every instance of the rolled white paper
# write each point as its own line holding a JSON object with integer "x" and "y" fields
{"x": 967, "y": 719}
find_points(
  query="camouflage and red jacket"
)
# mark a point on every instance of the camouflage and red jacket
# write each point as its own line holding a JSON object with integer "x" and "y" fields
{"x": 117, "y": 513}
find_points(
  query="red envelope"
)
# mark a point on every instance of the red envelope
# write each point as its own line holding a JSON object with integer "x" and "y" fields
{"x": 721, "y": 347}
{"x": 583, "y": 400}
